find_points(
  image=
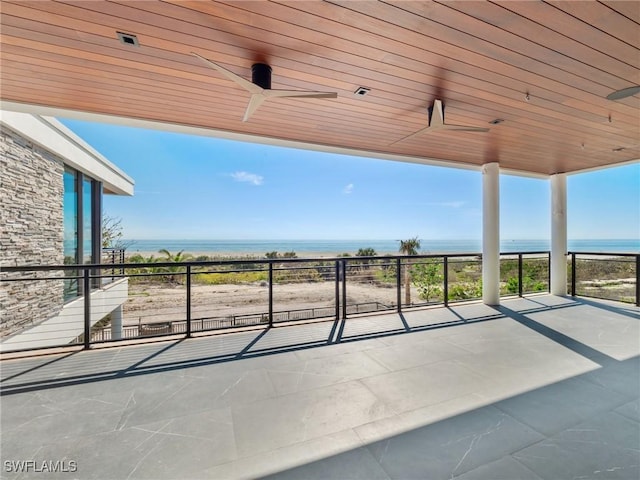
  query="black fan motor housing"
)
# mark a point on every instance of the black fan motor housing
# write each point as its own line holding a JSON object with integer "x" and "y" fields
{"x": 261, "y": 75}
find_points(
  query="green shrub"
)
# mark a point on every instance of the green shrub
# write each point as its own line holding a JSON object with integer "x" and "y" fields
{"x": 387, "y": 274}
{"x": 230, "y": 278}
{"x": 297, "y": 275}
{"x": 428, "y": 278}
{"x": 465, "y": 290}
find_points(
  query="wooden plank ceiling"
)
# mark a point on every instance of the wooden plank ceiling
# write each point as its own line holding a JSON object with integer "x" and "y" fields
{"x": 544, "y": 68}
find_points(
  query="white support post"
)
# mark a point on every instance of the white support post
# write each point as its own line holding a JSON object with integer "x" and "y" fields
{"x": 491, "y": 233}
{"x": 558, "y": 272}
{"x": 116, "y": 323}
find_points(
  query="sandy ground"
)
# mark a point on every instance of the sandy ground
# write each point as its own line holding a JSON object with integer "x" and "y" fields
{"x": 158, "y": 303}
{"x": 150, "y": 303}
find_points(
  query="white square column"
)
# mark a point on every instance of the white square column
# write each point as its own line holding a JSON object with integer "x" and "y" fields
{"x": 116, "y": 323}
{"x": 558, "y": 266}
{"x": 491, "y": 233}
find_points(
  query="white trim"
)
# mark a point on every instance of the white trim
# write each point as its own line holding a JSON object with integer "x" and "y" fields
{"x": 54, "y": 137}
{"x": 175, "y": 127}
{"x": 72, "y": 137}
{"x": 227, "y": 135}
{"x": 604, "y": 167}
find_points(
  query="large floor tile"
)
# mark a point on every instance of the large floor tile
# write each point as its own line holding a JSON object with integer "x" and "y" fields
{"x": 421, "y": 386}
{"x": 504, "y": 469}
{"x": 613, "y": 334}
{"x": 606, "y": 446}
{"x": 630, "y": 410}
{"x": 560, "y": 406}
{"x": 453, "y": 446}
{"x": 301, "y": 416}
{"x": 285, "y": 337}
{"x": 198, "y": 395}
{"x": 354, "y": 464}
{"x": 282, "y": 459}
{"x": 621, "y": 377}
{"x": 346, "y": 346}
{"x": 430, "y": 317}
{"x": 405, "y": 422}
{"x": 356, "y": 327}
{"x": 428, "y": 350}
{"x": 305, "y": 375}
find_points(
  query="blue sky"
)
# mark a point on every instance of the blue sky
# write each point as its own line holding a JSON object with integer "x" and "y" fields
{"x": 190, "y": 187}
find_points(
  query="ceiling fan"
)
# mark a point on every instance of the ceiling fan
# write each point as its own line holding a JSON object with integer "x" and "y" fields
{"x": 436, "y": 122}
{"x": 260, "y": 86}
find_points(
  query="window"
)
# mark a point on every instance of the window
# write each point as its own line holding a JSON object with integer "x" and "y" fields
{"x": 87, "y": 210}
{"x": 70, "y": 217}
{"x": 81, "y": 225}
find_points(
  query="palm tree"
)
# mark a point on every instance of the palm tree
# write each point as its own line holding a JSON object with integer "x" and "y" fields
{"x": 408, "y": 247}
{"x": 177, "y": 258}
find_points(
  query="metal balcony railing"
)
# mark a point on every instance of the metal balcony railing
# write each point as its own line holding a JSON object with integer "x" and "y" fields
{"x": 612, "y": 276}
{"x": 112, "y": 256}
{"x": 186, "y": 298}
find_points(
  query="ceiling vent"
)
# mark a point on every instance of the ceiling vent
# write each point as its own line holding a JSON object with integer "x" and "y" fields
{"x": 361, "y": 91}
{"x": 496, "y": 121}
{"x": 128, "y": 39}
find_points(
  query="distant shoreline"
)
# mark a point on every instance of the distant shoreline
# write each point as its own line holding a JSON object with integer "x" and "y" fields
{"x": 334, "y": 248}
{"x": 241, "y": 255}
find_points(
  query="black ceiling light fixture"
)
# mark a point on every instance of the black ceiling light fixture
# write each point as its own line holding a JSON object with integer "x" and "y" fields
{"x": 624, "y": 93}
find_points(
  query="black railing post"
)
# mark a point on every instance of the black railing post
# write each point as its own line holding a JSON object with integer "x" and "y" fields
{"x": 637, "y": 280}
{"x": 113, "y": 262}
{"x": 337, "y": 289}
{"x": 549, "y": 271}
{"x": 520, "y": 275}
{"x": 445, "y": 273}
{"x": 344, "y": 289}
{"x": 188, "y": 334}
{"x": 86, "y": 290}
{"x": 399, "y": 284}
{"x": 270, "y": 282}
{"x": 573, "y": 274}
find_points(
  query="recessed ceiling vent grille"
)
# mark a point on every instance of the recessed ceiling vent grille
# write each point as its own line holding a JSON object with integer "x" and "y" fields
{"x": 128, "y": 39}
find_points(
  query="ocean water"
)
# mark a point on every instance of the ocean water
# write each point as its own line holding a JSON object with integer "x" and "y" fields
{"x": 260, "y": 247}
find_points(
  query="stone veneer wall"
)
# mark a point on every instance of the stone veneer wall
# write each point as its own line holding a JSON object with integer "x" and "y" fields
{"x": 31, "y": 230}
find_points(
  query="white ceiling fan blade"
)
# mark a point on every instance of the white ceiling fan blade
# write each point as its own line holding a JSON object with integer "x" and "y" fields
{"x": 436, "y": 122}
{"x": 255, "y": 101}
{"x": 298, "y": 93}
{"x": 436, "y": 119}
{"x": 415, "y": 134}
{"x": 244, "y": 83}
{"x": 462, "y": 128}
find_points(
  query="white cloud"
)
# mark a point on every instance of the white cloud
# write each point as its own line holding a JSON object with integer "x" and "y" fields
{"x": 348, "y": 189}
{"x": 248, "y": 178}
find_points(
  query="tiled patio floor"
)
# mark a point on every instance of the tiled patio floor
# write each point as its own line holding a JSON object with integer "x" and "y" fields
{"x": 539, "y": 388}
